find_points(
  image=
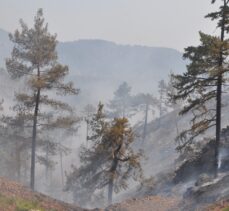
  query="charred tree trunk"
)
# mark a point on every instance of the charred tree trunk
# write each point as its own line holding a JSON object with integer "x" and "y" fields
{"x": 219, "y": 97}
{"x": 87, "y": 133}
{"x": 110, "y": 191}
{"x": 33, "y": 154}
{"x": 111, "y": 180}
{"x": 146, "y": 122}
{"x": 18, "y": 160}
{"x": 218, "y": 123}
{"x": 177, "y": 128}
{"x": 160, "y": 108}
{"x": 47, "y": 167}
{"x": 61, "y": 169}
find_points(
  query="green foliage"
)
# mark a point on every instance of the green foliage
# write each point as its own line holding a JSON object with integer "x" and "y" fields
{"x": 34, "y": 60}
{"x": 200, "y": 87}
{"x": 225, "y": 209}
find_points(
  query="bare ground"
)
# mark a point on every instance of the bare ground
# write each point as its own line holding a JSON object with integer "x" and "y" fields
{"x": 14, "y": 197}
{"x": 150, "y": 203}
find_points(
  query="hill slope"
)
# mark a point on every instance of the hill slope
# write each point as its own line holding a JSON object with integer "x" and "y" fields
{"x": 15, "y": 197}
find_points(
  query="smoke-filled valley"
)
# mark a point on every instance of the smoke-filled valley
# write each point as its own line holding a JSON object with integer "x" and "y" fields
{"x": 107, "y": 126}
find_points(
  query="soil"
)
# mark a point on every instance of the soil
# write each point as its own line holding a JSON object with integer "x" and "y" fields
{"x": 16, "y": 197}
{"x": 150, "y": 203}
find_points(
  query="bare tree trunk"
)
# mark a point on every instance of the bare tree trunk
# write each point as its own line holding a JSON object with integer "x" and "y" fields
{"x": 111, "y": 180}
{"x": 218, "y": 123}
{"x": 146, "y": 122}
{"x": 160, "y": 108}
{"x": 18, "y": 157}
{"x": 61, "y": 169}
{"x": 46, "y": 167}
{"x": 33, "y": 154}
{"x": 87, "y": 134}
{"x": 176, "y": 122}
{"x": 219, "y": 97}
{"x": 110, "y": 191}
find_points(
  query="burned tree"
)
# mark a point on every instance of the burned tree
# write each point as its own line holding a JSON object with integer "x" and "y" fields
{"x": 145, "y": 102}
{"x": 109, "y": 161}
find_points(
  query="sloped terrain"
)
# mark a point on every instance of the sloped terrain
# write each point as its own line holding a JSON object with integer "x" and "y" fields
{"x": 150, "y": 203}
{"x": 220, "y": 206}
{"x": 15, "y": 197}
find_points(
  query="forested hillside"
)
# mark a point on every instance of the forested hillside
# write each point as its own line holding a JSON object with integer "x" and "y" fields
{"x": 114, "y": 127}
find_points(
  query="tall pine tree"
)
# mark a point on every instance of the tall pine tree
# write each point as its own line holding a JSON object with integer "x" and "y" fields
{"x": 34, "y": 58}
{"x": 202, "y": 84}
{"x": 145, "y": 102}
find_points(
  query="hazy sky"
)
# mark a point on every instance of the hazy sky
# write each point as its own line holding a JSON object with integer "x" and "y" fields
{"x": 168, "y": 23}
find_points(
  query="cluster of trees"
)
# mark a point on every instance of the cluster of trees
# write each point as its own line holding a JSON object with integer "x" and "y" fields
{"x": 124, "y": 104}
{"x": 38, "y": 113}
{"x": 40, "y": 121}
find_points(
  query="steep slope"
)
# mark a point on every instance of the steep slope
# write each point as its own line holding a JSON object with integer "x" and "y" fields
{"x": 15, "y": 197}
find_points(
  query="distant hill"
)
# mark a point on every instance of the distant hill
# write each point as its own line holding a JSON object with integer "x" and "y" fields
{"x": 101, "y": 66}
{"x": 103, "y": 58}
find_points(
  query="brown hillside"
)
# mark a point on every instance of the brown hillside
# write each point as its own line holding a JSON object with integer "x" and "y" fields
{"x": 16, "y": 197}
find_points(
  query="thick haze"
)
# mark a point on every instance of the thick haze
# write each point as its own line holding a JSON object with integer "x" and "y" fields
{"x": 168, "y": 23}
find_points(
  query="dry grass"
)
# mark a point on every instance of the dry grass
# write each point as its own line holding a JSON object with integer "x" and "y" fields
{"x": 16, "y": 197}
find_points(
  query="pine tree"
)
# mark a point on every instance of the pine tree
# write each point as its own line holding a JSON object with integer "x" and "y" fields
{"x": 145, "y": 102}
{"x": 34, "y": 58}
{"x": 120, "y": 104}
{"x": 202, "y": 84}
{"x": 16, "y": 140}
{"x": 109, "y": 161}
{"x": 89, "y": 110}
{"x": 163, "y": 100}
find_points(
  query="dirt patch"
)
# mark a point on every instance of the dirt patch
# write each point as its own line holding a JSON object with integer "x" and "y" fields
{"x": 150, "y": 203}
{"x": 14, "y": 196}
